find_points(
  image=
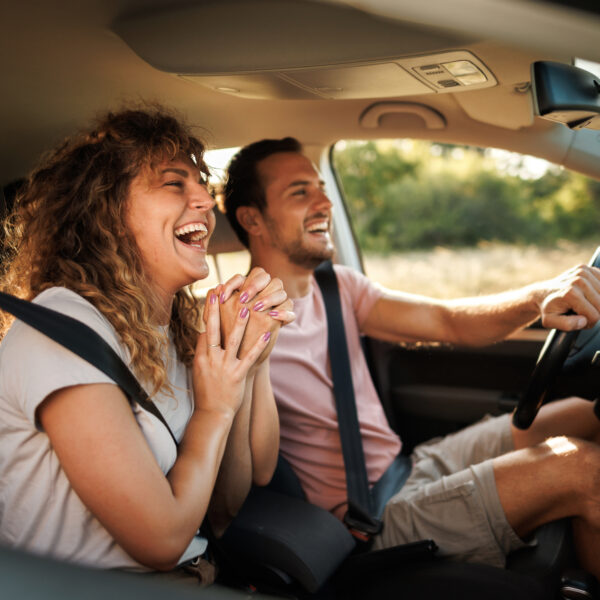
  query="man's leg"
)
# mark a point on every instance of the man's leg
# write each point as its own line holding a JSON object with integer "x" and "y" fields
{"x": 554, "y": 479}
{"x": 516, "y": 491}
{"x": 447, "y": 500}
{"x": 573, "y": 417}
{"x": 570, "y": 417}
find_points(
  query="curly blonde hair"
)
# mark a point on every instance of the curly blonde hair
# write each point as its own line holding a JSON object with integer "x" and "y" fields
{"x": 67, "y": 228}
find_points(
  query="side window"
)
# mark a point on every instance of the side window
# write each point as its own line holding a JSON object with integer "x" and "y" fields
{"x": 449, "y": 221}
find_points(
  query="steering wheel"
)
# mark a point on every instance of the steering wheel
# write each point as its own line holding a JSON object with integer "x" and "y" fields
{"x": 559, "y": 346}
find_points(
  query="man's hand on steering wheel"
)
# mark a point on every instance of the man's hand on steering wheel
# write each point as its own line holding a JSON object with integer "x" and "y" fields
{"x": 573, "y": 300}
{"x": 568, "y": 303}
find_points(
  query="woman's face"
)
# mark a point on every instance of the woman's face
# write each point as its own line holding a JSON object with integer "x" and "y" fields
{"x": 170, "y": 215}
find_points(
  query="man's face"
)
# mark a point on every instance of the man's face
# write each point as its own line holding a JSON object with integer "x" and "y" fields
{"x": 297, "y": 213}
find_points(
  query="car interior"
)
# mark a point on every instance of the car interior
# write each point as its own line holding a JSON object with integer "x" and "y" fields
{"x": 487, "y": 73}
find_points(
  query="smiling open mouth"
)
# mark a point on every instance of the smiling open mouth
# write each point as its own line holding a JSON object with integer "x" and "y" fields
{"x": 318, "y": 227}
{"x": 192, "y": 234}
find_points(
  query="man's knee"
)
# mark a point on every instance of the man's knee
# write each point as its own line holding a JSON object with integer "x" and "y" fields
{"x": 579, "y": 462}
{"x": 573, "y": 417}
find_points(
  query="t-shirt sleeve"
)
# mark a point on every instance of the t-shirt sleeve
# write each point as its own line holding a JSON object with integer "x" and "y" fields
{"x": 363, "y": 293}
{"x": 32, "y": 366}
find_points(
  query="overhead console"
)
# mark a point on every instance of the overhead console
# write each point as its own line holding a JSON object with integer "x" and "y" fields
{"x": 287, "y": 49}
{"x": 428, "y": 74}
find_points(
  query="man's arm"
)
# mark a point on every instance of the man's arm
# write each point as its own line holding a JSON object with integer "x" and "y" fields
{"x": 264, "y": 427}
{"x": 479, "y": 321}
{"x": 251, "y": 452}
{"x": 235, "y": 472}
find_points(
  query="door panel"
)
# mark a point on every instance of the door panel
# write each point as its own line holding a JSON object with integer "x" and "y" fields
{"x": 433, "y": 390}
{"x": 430, "y": 391}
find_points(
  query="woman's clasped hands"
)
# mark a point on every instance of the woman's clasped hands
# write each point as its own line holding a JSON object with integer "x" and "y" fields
{"x": 242, "y": 318}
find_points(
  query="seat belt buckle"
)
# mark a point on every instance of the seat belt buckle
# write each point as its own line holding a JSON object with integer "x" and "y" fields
{"x": 362, "y": 528}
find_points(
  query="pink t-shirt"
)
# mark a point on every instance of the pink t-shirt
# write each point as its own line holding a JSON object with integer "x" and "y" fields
{"x": 301, "y": 379}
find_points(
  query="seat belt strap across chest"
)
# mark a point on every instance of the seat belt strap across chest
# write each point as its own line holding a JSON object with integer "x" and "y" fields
{"x": 360, "y": 510}
{"x": 86, "y": 343}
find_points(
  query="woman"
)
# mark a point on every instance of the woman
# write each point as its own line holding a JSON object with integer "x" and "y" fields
{"x": 111, "y": 229}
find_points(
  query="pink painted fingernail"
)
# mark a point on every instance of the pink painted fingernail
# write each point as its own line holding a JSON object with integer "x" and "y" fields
{"x": 273, "y": 313}
{"x": 266, "y": 336}
{"x": 244, "y": 298}
{"x": 244, "y": 312}
{"x": 222, "y": 297}
{"x": 259, "y": 306}
{"x": 213, "y": 298}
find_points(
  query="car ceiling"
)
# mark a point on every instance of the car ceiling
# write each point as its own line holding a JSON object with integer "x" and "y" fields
{"x": 65, "y": 61}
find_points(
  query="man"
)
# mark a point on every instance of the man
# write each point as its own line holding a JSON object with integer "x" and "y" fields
{"x": 478, "y": 493}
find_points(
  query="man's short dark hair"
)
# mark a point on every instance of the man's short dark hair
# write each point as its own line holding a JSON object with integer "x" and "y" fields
{"x": 244, "y": 187}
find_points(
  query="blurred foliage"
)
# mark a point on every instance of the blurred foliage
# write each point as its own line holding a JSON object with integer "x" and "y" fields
{"x": 407, "y": 194}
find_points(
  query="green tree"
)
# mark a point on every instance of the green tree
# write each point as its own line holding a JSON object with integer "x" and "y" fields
{"x": 410, "y": 194}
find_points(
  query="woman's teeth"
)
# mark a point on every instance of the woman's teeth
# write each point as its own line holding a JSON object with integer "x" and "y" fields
{"x": 194, "y": 232}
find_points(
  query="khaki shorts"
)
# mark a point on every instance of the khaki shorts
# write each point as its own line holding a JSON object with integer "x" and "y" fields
{"x": 451, "y": 497}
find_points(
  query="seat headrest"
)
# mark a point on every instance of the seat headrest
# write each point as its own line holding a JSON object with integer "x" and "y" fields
{"x": 224, "y": 238}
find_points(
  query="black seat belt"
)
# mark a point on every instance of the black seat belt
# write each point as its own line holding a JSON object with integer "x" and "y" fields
{"x": 86, "y": 343}
{"x": 360, "y": 506}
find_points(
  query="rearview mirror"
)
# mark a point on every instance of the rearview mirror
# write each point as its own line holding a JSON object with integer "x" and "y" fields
{"x": 566, "y": 94}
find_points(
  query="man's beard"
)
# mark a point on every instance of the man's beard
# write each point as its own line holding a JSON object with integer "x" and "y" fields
{"x": 309, "y": 258}
{"x": 298, "y": 253}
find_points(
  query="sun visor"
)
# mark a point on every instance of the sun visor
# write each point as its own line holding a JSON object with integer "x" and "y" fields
{"x": 301, "y": 50}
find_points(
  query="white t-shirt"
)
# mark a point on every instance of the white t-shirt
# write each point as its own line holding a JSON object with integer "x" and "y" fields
{"x": 39, "y": 510}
